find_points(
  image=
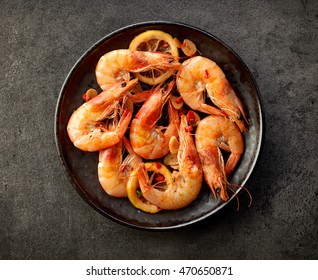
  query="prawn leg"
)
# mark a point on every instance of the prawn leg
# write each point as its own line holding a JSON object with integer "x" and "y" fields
{"x": 85, "y": 127}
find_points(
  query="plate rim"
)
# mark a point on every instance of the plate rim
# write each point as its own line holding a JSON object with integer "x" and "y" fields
{"x": 77, "y": 186}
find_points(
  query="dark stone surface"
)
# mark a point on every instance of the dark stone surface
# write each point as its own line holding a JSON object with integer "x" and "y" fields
{"x": 42, "y": 216}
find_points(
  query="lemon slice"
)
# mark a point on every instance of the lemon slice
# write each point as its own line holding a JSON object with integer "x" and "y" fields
{"x": 138, "y": 201}
{"x": 154, "y": 41}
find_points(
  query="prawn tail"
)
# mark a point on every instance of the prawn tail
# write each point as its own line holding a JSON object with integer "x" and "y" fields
{"x": 240, "y": 107}
{"x": 235, "y": 113}
{"x": 240, "y": 124}
{"x": 223, "y": 186}
{"x": 231, "y": 163}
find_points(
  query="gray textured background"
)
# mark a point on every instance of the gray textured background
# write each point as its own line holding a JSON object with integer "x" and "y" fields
{"x": 42, "y": 216}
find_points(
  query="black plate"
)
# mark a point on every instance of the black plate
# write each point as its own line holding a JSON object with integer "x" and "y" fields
{"x": 81, "y": 167}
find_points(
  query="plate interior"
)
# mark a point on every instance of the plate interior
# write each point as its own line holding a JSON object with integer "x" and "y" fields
{"x": 81, "y": 167}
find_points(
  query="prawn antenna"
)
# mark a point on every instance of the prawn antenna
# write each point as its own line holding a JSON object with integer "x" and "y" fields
{"x": 247, "y": 191}
{"x": 237, "y": 200}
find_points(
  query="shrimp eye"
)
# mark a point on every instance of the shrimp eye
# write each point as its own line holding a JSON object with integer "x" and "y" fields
{"x": 188, "y": 129}
{"x": 124, "y": 84}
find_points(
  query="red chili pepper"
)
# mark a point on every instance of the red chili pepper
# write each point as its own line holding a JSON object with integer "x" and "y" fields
{"x": 159, "y": 177}
{"x": 206, "y": 73}
{"x": 122, "y": 168}
{"x": 179, "y": 100}
{"x": 191, "y": 117}
{"x": 158, "y": 165}
{"x": 188, "y": 128}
